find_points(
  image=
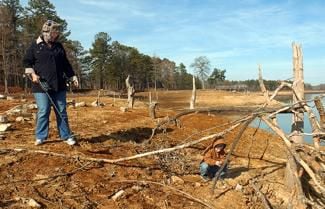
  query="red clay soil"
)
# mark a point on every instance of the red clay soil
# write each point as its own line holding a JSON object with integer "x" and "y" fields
{"x": 109, "y": 133}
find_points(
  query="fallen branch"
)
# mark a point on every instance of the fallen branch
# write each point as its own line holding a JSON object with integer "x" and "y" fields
{"x": 178, "y": 192}
{"x": 264, "y": 200}
{"x": 233, "y": 146}
{"x": 228, "y": 109}
{"x": 114, "y": 161}
{"x": 292, "y": 150}
{"x": 46, "y": 178}
{"x": 262, "y": 175}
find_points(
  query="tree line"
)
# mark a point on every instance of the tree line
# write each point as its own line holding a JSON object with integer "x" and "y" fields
{"x": 105, "y": 65}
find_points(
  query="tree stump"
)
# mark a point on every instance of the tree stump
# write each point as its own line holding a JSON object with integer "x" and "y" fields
{"x": 152, "y": 109}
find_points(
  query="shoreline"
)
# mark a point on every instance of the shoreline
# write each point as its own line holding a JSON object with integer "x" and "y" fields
{"x": 288, "y": 93}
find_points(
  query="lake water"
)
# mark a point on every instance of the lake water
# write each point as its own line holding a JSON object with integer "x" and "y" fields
{"x": 285, "y": 120}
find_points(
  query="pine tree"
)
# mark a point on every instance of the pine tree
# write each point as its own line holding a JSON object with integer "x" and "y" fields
{"x": 101, "y": 54}
{"x": 9, "y": 55}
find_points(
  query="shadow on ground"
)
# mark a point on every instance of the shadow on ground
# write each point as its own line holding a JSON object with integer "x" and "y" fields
{"x": 235, "y": 172}
{"x": 137, "y": 135}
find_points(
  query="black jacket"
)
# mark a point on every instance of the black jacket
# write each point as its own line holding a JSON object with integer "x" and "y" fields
{"x": 51, "y": 64}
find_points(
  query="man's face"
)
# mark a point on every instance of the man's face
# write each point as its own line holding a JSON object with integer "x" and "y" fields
{"x": 218, "y": 148}
{"x": 54, "y": 35}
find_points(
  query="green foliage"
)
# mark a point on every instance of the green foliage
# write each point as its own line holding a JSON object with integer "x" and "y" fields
{"x": 76, "y": 55}
{"x": 101, "y": 55}
{"x": 183, "y": 79}
{"x": 216, "y": 76}
{"x": 36, "y": 13}
{"x": 107, "y": 63}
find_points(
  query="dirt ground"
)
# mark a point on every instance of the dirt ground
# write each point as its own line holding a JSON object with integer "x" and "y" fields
{"x": 156, "y": 181}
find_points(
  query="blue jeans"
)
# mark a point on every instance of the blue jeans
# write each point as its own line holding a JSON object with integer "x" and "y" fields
{"x": 43, "y": 115}
{"x": 209, "y": 171}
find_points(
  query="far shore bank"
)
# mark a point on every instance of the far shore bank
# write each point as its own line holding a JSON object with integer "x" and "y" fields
{"x": 285, "y": 93}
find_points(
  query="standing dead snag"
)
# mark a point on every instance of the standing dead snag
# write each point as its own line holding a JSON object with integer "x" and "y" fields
{"x": 298, "y": 86}
{"x": 296, "y": 165}
{"x": 233, "y": 146}
{"x": 262, "y": 86}
{"x": 131, "y": 91}
{"x": 193, "y": 98}
{"x": 292, "y": 177}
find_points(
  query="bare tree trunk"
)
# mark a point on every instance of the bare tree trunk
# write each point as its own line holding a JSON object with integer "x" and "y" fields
{"x": 26, "y": 84}
{"x": 262, "y": 86}
{"x": 131, "y": 92}
{"x": 4, "y": 63}
{"x": 152, "y": 109}
{"x": 114, "y": 98}
{"x": 298, "y": 86}
{"x": 292, "y": 179}
{"x": 150, "y": 98}
{"x": 203, "y": 83}
{"x": 193, "y": 98}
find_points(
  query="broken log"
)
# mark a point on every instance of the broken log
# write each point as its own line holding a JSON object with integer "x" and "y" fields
{"x": 233, "y": 146}
{"x": 292, "y": 150}
{"x": 260, "y": 194}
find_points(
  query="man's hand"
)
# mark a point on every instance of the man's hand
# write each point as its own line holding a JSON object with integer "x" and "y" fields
{"x": 75, "y": 81}
{"x": 35, "y": 78}
{"x": 218, "y": 163}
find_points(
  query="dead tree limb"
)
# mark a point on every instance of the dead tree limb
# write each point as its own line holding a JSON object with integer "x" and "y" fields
{"x": 114, "y": 161}
{"x": 292, "y": 150}
{"x": 320, "y": 108}
{"x": 275, "y": 93}
{"x": 178, "y": 191}
{"x": 262, "y": 175}
{"x": 233, "y": 146}
{"x": 312, "y": 118}
{"x": 260, "y": 194}
{"x": 221, "y": 109}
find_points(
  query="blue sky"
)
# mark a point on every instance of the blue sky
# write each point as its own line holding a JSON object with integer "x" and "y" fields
{"x": 235, "y": 35}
